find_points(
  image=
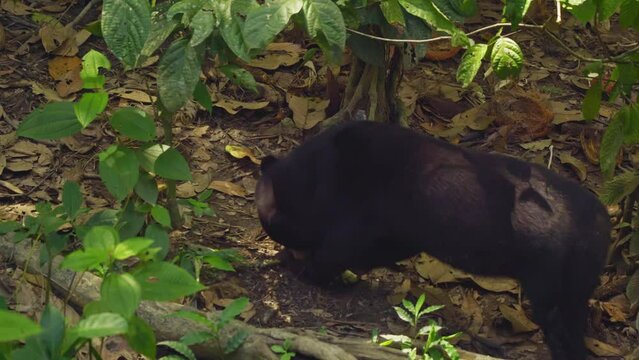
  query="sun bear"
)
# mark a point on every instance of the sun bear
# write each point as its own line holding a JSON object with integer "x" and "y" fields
{"x": 366, "y": 194}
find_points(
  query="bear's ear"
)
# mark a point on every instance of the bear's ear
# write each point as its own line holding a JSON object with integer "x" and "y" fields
{"x": 267, "y": 161}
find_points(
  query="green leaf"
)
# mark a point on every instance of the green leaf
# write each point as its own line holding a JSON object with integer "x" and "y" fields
{"x": 102, "y": 237}
{"x": 197, "y": 337}
{"x": 14, "y": 326}
{"x": 125, "y": 26}
{"x": 172, "y": 165}
{"x": 149, "y": 155}
{"x": 147, "y": 188}
{"x": 131, "y": 247}
{"x": 92, "y": 61}
{"x": 416, "y": 28}
{"x": 447, "y": 9}
{"x": 582, "y": 10}
{"x": 403, "y": 314}
{"x": 367, "y": 50}
{"x": 131, "y": 220}
{"x": 134, "y": 123}
{"x": 71, "y": 198}
{"x": 629, "y": 116}
{"x": 101, "y": 325}
{"x": 52, "y": 335}
{"x": 610, "y": 145}
{"x": 236, "y": 341}
{"x": 162, "y": 281}
{"x": 161, "y": 215}
{"x": 592, "y": 101}
{"x": 178, "y": 72}
{"x": 424, "y": 9}
{"x": 90, "y": 106}
{"x": 608, "y": 7}
{"x": 466, "y": 8}
{"x": 121, "y": 293}
{"x": 617, "y": 188}
{"x": 632, "y": 289}
{"x": 202, "y": 25}
{"x": 324, "y": 17}
{"x": 83, "y": 260}
{"x": 234, "y": 309}
{"x": 193, "y": 316}
{"x": 202, "y": 96}
{"x": 218, "y": 262}
{"x": 161, "y": 29}
{"x": 514, "y": 11}
{"x": 160, "y": 239}
{"x": 9, "y": 226}
{"x": 506, "y": 58}
{"x": 262, "y": 25}
{"x": 183, "y": 349}
{"x": 232, "y": 33}
{"x": 141, "y": 337}
{"x": 239, "y": 76}
{"x": 52, "y": 121}
{"x": 629, "y": 16}
{"x": 392, "y": 12}
{"x": 119, "y": 170}
{"x": 471, "y": 63}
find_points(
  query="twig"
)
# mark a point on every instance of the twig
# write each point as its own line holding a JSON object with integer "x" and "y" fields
{"x": 82, "y": 13}
{"x": 439, "y": 38}
{"x": 558, "y": 18}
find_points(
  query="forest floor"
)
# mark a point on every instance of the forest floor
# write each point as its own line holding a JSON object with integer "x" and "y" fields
{"x": 550, "y": 130}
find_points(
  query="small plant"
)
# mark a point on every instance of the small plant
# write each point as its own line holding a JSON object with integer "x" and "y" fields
{"x": 283, "y": 350}
{"x": 435, "y": 346}
{"x": 214, "y": 327}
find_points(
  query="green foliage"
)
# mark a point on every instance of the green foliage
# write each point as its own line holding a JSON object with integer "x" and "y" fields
{"x": 436, "y": 346}
{"x": 471, "y": 63}
{"x": 134, "y": 124}
{"x": 125, "y": 27}
{"x": 51, "y": 121}
{"x": 506, "y": 57}
{"x": 14, "y": 326}
{"x": 283, "y": 350}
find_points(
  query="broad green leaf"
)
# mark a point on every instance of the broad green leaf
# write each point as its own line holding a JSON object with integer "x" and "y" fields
{"x": 92, "y": 61}
{"x": 630, "y": 116}
{"x": 629, "y": 16}
{"x": 237, "y": 340}
{"x": 583, "y": 10}
{"x": 160, "y": 239}
{"x": 324, "y": 17}
{"x": 416, "y": 28}
{"x": 83, "y": 260}
{"x": 632, "y": 289}
{"x": 239, "y": 76}
{"x": 262, "y": 25}
{"x": 181, "y": 348}
{"x": 14, "y": 326}
{"x": 202, "y": 25}
{"x": 367, "y": 50}
{"x": 125, "y": 26}
{"x": 163, "y": 281}
{"x": 403, "y": 314}
{"x": 232, "y": 33}
{"x": 134, "y": 123}
{"x": 617, "y": 188}
{"x": 471, "y": 63}
{"x": 95, "y": 307}
{"x": 447, "y": 9}
{"x": 119, "y": 170}
{"x": 592, "y": 101}
{"x": 52, "y": 121}
{"x": 101, "y": 325}
{"x": 90, "y": 106}
{"x": 608, "y": 7}
{"x": 52, "y": 335}
{"x": 131, "y": 220}
{"x": 161, "y": 29}
{"x": 392, "y": 12}
{"x": 193, "y": 316}
{"x": 610, "y": 145}
{"x": 141, "y": 337}
{"x": 161, "y": 215}
{"x": 218, "y": 262}
{"x": 131, "y": 247}
{"x": 202, "y": 96}
{"x": 9, "y": 226}
{"x": 514, "y": 10}
{"x": 234, "y": 309}
{"x": 102, "y": 237}
{"x": 147, "y": 188}
{"x": 506, "y": 58}
{"x": 149, "y": 155}
{"x": 121, "y": 293}
{"x": 197, "y": 337}
{"x": 466, "y": 8}
{"x": 424, "y": 9}
{"x": 178, "y": 72}
{"x": 71, "y": 198}
{"x": 172, "y": 165}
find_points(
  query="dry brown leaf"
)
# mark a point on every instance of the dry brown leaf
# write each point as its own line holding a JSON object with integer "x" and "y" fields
{"x": 8, "y": 139}
{"x": 576, "y": 164}
{"x": 307, "y": 112}
{"x": 408, "y": 95}
{"x": 133, "y": 94}
{"x": 496, "y": 283}
{"x": 54, "y": 35}
{"x": 49, "y": 94}
{"x": 233, "y": 106}
{"x": 470, "y": 307}
{"x": 201, "y": 180}
{"x": 3, "y": 37}
{"x": 19, "y": 166}
{"x": 590, "y": 140}
{"x": 477, "y": 118}
{"x": 185, "y": 190}
{"x": 278, "y": 54}
{"x": 518, "y": 319}
{"x": 240, "y": 152}
{"x": 618, "y": 308}
{"x": 228, "y": 188}
{"x": 563, "y": 115}
{"x": 600, "y": 348}
{"x": 3, "y": 163}
{"x": 537, "y": 145}
{"x": 438, "y": 272}
{"x": 66, "y": 70}
{"x": 15, "y": 7}
{"x": 399, "y": 292}
{"x": 201, "y": 154}
{"x": 81, "y": 147}
{"x": 8, "y": 185}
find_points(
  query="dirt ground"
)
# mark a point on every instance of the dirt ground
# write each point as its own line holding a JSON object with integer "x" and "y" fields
{"x": 36, "y": 170}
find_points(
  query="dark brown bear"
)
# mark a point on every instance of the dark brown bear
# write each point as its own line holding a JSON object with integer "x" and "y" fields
{"x": 366, "y": 194}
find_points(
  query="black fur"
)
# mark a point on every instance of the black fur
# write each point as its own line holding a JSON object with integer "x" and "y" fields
{"x": 366, "y": 194}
